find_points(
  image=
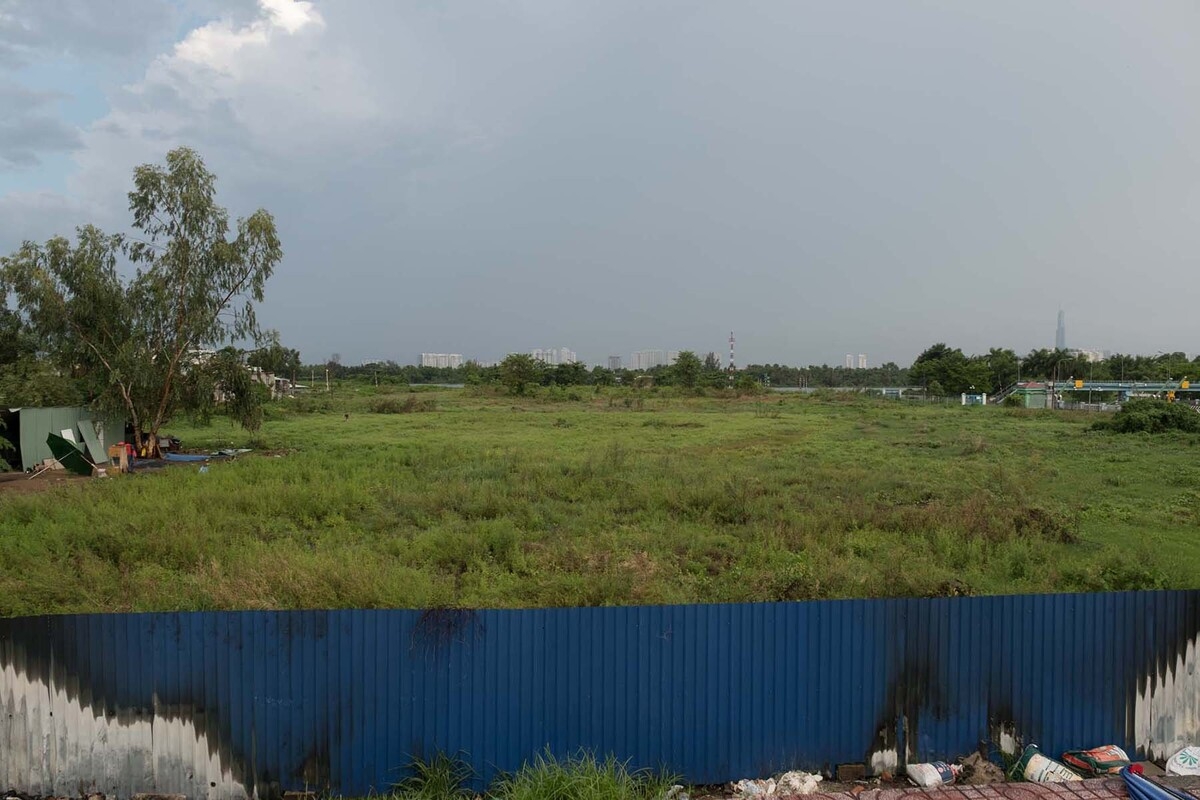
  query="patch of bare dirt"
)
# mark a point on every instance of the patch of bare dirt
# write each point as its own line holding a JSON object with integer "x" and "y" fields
{"x": 21, "y": 483}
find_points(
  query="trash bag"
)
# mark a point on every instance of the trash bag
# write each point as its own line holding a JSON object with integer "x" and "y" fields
{"x": 1106, "y": 760}
{"x": 1037, "y": 767}
{"x": 1185, "y": 762}
{"x": 935, "y": 774}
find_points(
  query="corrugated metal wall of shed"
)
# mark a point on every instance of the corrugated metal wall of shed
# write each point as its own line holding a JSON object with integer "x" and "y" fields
{"x": 36, "y": 423}
{"x": 251, "y": 704}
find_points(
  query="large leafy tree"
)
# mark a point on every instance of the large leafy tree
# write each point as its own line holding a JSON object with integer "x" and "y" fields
{"x": 518, "y": 372}
{"x": 274, "y": 357}
{"x": 687, "y": 369}
{"x": 574, "y": 373}
{"x": 943, "y": 369}
{"x": 1002, "y": 368}
{"x": 25, "y": 378}
{"x": 194, "y": 285}
{"x": 224, "y": 381}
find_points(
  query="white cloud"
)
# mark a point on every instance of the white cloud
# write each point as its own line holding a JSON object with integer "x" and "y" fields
{"x": 291, "y": 15}
{"x": 219, "y": 45}
{"x": 254, "y": 96}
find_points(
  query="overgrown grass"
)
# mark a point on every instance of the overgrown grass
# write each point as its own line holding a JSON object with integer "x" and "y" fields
{"x": 492, "y": 501}
{"x": 579, "y": 777}
{"x": 582, "y": 777}
{"x": 439, "y": 778}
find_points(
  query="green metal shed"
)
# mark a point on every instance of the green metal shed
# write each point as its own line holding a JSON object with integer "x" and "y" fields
{"x": 34, "y": 424}
{"x": 1034, "y": 397}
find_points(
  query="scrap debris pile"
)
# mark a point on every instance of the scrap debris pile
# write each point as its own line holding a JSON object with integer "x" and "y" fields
{"x": 788, "y": 785}
{"x": 1033, "y": 765}
{"x": 122, "y": 457}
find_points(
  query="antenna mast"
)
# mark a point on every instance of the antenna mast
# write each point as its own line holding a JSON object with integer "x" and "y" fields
{"x": 732, "y": 368}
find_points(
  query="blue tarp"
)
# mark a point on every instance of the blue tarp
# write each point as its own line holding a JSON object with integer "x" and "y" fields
{"x": 184, "y": 457}
{"x": 1144, "y": 789}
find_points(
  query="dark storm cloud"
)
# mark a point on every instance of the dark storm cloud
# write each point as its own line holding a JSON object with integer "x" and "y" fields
{"x": 29, "y": 126}
{"x": 823, "y": 178}
{"x": 110, "y": 28}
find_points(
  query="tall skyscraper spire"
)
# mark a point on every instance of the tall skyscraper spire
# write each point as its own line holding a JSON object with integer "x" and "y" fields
{"x": 1060, "y": 336}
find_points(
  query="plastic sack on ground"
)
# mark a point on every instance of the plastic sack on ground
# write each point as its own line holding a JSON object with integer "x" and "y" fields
{"x": 1106, "y": 760}
{"x": 935, "y": 774}
{"x": 676, "y": 792}
{"x": 1185, "y": 762}
{"x": 1037, "y": 767}
{"x": 752, "y": 788}
{"x": 791, "y": 783}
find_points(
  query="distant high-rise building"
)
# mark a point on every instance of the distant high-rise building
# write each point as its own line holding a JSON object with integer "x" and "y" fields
{"x": 849, "y": 361}
{"x": 1060, "y": 336}
{"x": 1093, "y": 356}
{"x": 672, "y": 356}
{"x": 862, "y": 360}
{"x": 441, "y": 360}
{"x": 554, "y": 356}
{"x": 614, "y": 362}
{"x": 647, "y": 359}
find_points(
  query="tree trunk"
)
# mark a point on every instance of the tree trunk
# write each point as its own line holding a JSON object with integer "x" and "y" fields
{"x": 133, "y": 417}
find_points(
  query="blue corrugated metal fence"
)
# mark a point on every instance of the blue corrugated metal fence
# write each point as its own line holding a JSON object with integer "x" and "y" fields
{"x": 231, "y": 704}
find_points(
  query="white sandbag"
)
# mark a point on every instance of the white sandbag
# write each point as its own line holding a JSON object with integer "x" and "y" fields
{"x": 1037, "y": 767}
{"x": 1185, "y": 762}
{"x": 938, "y": 773}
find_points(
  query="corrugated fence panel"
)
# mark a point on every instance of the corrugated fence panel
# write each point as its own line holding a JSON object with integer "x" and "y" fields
{"x": 251, "y": 704}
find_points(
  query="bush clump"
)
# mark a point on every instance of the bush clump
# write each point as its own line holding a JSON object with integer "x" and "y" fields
{"x": 440, "y": 778}
{"x": 1150, "y": 415}
{"x": 580, "y": 777}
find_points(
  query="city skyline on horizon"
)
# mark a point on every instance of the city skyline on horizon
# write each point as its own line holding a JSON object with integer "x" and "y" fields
{"x": 856, "y": 360}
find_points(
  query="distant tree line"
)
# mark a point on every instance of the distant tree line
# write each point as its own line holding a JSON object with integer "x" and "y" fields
{"x": 941, "y": 369}
{"x": 938, "y": 370}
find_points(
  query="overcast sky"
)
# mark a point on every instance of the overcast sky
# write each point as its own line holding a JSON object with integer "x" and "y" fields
{"x": 821, "y": 178}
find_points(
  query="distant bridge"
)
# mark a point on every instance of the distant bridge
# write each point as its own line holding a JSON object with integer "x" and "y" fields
{"x": 1121, "y": 387}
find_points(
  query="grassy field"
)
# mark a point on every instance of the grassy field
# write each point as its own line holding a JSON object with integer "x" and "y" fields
{"x": 485, "y": 501}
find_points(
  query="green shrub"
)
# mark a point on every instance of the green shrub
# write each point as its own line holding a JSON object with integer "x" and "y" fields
{"x": 581, "y": 777}
{"x": 440, "y": 778}
{"x": 1150, "y": 415}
